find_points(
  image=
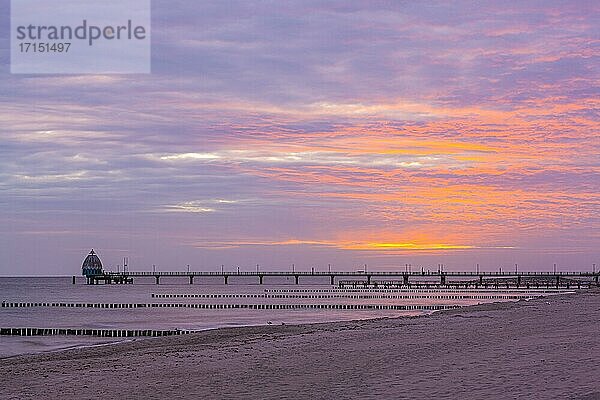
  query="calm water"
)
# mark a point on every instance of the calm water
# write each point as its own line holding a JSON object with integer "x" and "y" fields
{"x": 277, "y": 291}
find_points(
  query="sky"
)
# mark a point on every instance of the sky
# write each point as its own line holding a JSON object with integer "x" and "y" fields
{"x": 311, "y": 133}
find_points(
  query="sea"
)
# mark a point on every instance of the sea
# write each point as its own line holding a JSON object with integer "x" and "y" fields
{"x": 242, "y": 302}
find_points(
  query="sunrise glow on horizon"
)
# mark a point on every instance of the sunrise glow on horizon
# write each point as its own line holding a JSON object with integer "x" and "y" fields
{"x": 314, "y": 134}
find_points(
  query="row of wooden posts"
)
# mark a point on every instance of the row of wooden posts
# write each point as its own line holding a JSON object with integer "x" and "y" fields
{"x": 237, "y": 306}
{"x": 90, "y": 332}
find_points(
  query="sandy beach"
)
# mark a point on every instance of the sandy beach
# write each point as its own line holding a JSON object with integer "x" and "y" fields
{"x": 543, "y": 348}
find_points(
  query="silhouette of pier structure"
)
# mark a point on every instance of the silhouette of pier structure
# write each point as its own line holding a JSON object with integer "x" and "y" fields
{"x": 94, "y": 273}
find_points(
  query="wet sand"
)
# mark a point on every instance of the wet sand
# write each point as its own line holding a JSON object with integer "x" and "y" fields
{"x": 540, "y": 349}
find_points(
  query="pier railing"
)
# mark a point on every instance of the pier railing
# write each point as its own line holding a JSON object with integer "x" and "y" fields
{"x": 348, "y": 273}
{"x": 407, "y": 276}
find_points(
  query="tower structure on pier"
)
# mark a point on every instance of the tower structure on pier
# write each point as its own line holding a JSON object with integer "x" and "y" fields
{"x": 92, "y": 265}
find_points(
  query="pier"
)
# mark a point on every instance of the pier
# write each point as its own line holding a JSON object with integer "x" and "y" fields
{"x": 444, "y": 279}
{"x": 94, "y": 272}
